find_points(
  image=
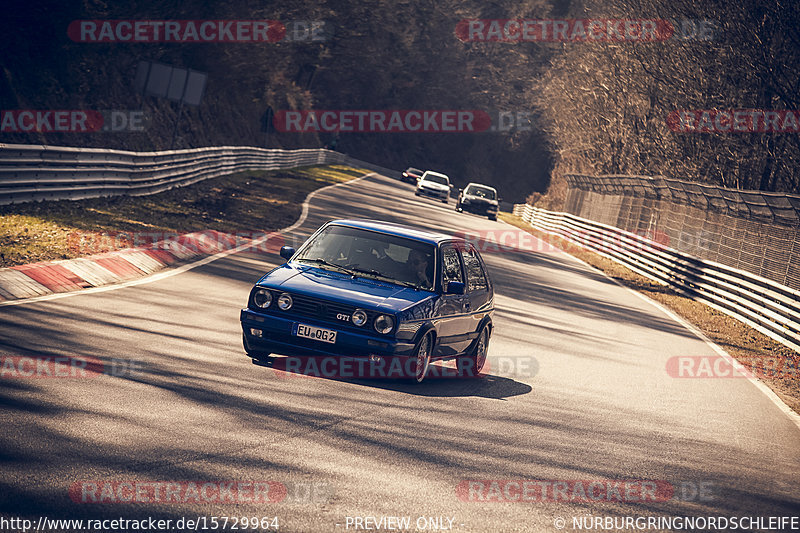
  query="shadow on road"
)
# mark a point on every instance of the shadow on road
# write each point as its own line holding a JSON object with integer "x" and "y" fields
{"x": 437, "y": 385}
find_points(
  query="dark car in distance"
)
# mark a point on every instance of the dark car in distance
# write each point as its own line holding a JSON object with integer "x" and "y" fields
{"x": 411, "y": 175}
{"x": 376, "y": 291}
{"x": 479, "y": 199}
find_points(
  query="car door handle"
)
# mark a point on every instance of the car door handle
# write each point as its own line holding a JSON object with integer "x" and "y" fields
{"x": 466, "y": 306}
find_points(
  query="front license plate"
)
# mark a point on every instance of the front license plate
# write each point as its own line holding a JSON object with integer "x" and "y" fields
{"x": 319, "y": 334}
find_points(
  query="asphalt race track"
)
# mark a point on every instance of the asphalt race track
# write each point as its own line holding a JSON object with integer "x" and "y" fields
{"x": 577, "y": 391}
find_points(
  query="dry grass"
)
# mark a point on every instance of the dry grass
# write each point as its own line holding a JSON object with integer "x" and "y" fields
{"x": 747, "y": 345}
{"x": 246, "y": 201}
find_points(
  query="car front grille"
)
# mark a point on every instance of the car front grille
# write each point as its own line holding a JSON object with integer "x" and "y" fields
{"x": 312, "y": 307}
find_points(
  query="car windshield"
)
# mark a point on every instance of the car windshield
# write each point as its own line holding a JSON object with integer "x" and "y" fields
{"x": 482, "y": 192}
{"x": 436, "y": 179}
{"x": 371, "y": 254}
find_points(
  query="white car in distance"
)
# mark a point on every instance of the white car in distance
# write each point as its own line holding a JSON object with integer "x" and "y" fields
{"x": 434, "y": 185}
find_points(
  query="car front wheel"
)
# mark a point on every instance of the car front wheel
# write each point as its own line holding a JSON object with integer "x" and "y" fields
{"x": 470, "y": 365}
{"x": 422, "y": 357}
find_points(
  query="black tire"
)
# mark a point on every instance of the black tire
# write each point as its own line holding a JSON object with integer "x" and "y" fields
{"x": 444, "y": 201}
{"x": 471, "y": 364}
{"x": 422, "y": 355}
{"x": 492, "y": 217}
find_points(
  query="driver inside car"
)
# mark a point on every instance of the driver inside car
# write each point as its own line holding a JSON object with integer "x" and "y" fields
{"x": 419, "y": 262}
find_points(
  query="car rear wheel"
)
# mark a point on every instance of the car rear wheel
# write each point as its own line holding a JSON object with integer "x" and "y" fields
{"x": 470, "y": 365}
{"x": 422, "y": 356}
{"x": 492, "y": 217}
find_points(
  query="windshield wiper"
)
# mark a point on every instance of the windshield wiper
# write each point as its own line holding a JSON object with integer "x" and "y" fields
{"x": 325, "y": 262}
{"x": 355, "y": 271}
{"x": 369, "y": 271}
{"x": 387, "y": 278}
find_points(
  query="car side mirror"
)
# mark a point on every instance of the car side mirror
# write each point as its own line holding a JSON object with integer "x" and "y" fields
{"x": 287, "y": 252}
{"x": 499, "y": 198}
{"x": 454, "y": 287}
{"x": 460, "y": 190}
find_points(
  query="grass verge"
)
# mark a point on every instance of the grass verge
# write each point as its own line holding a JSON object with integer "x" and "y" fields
{"x": 752, "y": 348}
{"x": 245, "y": 201}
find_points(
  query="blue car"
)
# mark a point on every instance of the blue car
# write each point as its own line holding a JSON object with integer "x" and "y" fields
{"x": 391, "y": 295}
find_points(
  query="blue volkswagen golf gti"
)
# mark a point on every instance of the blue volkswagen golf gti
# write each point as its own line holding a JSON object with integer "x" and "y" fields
{"x": 391, "y": 295}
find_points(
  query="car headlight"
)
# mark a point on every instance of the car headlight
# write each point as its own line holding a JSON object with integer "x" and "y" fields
{"x": 262, "y": 298}
{"x": 384, "y": 324}
{"x": 285, "y": 301}
{"x": 359, "y": 317}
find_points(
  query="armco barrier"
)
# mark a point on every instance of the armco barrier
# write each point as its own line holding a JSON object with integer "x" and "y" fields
{"x": 36, "y": 172}
{"x": 769, "y": 307}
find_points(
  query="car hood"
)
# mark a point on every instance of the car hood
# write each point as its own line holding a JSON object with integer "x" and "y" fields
{"x": 362, "y": 292}
{"x": 434, "y": 185}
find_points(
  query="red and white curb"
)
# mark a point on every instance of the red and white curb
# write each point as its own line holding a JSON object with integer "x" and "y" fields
{"x": 38, "y": 279}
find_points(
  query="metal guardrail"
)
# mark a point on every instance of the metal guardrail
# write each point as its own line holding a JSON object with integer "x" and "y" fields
{"x": 768, "y": 306}
{"x": 36, "y": 172}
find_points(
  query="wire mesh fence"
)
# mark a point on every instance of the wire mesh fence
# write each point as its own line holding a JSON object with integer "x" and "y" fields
{"x": 748, "y": 230}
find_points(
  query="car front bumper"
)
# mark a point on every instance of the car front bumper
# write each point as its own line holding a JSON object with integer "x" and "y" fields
{"x": 433, "y": 193}
{"x": 277, "y": 337}
{"x": 479, "y": 208}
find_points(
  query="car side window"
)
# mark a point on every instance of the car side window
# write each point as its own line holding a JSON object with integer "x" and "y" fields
{"x": 451, "y": 266}
{"x": 476, "y": 277}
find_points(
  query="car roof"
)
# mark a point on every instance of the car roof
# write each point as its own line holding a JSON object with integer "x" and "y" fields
{"x": 437, "y": 174}
{"x": 399, "y": 230}
{"x": 480, "y": 185}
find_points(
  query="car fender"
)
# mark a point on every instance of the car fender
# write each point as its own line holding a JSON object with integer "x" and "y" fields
{"x": 424, "y": 330}
{"x": 487, "y": 321}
